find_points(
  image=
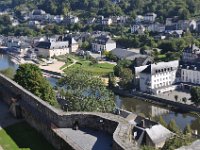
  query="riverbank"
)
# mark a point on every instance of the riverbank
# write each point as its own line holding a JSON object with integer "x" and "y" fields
{"x": 157, "y": 100}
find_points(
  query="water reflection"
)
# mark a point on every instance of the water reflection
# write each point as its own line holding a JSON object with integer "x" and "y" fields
{"x": 5, "y": 62}
{"x": 149, "y": 110}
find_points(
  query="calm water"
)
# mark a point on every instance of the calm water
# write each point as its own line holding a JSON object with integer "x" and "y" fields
{"x": 133, "y": 105}
{"x": 5, "y": 62}
{"x": 149, "y": 110}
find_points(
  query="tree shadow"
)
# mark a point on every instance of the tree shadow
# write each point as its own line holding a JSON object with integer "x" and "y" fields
{"x": 104, "y": 140}
{"x": 25, "y": 136}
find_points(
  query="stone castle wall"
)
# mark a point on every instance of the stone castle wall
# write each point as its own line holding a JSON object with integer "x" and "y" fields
{"x": 46, "y": 119}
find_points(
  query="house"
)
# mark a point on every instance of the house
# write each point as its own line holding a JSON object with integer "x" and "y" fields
{"x": 70, "y": 19}
{"x": 73, "y": 44}
{"x": 156, "y": 27}
{"x": 148, "y": 132}
{"x": 191, "y": 54}
{"x": 139, "y": 18}
{"x": 174, "y": 33}
{"x": 138, "y": 28}
{"x": 158, "y": 77}
{"x": 34, "y": 24}
{"x": 119, "y": 19}
{"x": 106, "y": 21}
{"x": 102, "y": 43}
{"x": 30, "y": 54}
{"x": 58, "y": 18}
{"x": 150, "y": 17}
{"x": 91, "y": 20}
{"x": 126, "y": 54}
{"x": 50, "y": 48}
{"x": 189, "y": 67}
{"x": 39, "y": 15}
{"x": 189, "y": 75}
{"x": 15, "y": 22}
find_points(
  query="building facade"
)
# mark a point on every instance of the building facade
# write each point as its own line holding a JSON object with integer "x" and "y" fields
{"x": 159, "y": 78}
{"x": 102, "y": 43}
{"x": 52, "y": 48}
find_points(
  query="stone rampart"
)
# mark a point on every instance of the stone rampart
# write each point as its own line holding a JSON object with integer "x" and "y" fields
{"x": 46, "y": 119}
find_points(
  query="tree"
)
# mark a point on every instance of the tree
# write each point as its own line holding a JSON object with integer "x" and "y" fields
{"x": 30, "y": 77}
{"x": 176, "y": 97}
{"x": 162, "y": 121}
{"x": 112, "y": 81}
{"x": 126, "y": 77}
{"x": 187, "y": 129}
{"x": 195, "y": 95}
{"x": 9, "y": 72}
{"x": 85, "y": 92}
{"x": 184, "y": 99}
{"x": 172, "y": 126}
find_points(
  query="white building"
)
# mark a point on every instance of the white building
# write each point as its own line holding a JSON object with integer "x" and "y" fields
{"x": 156, "y": 27}
{"x": 70, "y": 19}
{"x": 102, "y": 43}
{"x": 190, "y": 74}
{"x": 51, "y": 48}
{"x": 150, "y": 17}
{"x": 139, "y": 18}
{"x": 58, "y": 18}
{"x": 138, "y": 28}
{"x": 158, "y": 78}
{"x": 106, "y": 21}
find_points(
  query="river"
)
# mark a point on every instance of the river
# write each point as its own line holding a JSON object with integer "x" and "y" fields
{"x": 134, "y": 105}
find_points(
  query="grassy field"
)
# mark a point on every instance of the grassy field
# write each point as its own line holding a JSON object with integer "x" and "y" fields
{"x": 101, "y": 69}
{"x": 95, "y": 69}
{"x": 23, "y": 137}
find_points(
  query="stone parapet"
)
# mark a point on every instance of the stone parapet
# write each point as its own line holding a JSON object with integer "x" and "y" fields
{"x": 46, "y": 119}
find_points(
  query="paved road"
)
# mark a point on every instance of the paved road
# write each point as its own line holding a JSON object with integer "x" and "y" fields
{"x": 89, "y": 139}
{"x": 6, "y": 118}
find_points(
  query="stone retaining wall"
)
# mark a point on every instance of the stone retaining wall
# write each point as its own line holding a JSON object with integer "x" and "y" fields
{"x": 46, "y": 119}
{"x": 181, "y": 106}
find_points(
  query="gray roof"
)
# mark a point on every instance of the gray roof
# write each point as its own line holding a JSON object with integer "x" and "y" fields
{"x": 38, "y": 12}
{"x": 103, "y": 39}
{"x": 158, "y": 133}
{"x": 189, "y": 66}
{"x": 126, "y": 54}
{"x": 52, "y": 45}
{"x": 161, "y": 67}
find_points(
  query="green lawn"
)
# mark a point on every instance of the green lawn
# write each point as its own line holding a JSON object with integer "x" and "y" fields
{"x": 23, "y": 137}
{"x": 95, "y": 69}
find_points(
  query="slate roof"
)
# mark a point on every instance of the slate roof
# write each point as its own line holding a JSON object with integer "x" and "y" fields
{"x": 189, "y": 66}
{"x": 38, "y": 12}
{"x": 52, "y": 45}
{"x": 103, "y": 39}
{"x": 161, "y": 67}
{"x": 126, "y": 54}
{"x": 158, "y": 133}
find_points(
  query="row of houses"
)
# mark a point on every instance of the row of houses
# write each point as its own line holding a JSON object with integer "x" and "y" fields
{"x": 163, "y": 77}
{"x": 144, "y": 23}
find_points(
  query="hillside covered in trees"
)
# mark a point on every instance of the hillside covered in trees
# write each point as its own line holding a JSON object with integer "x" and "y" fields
{"x": 164, "y": 8}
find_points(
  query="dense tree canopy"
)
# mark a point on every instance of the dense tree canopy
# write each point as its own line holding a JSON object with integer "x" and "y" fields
{"x": 164, "y": 8}
{"x": 30, "y": 77}
{"x": 85, "y": 92}
{"x": 195, "y": 95}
